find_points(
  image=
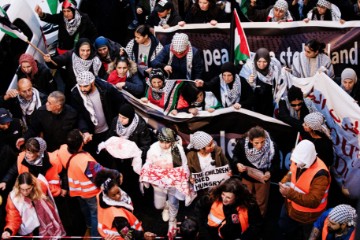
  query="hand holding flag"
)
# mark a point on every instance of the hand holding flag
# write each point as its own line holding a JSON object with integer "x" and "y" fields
{"x": 10, "y": 29}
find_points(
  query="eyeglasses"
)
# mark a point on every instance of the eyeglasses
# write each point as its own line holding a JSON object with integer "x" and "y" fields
{"x": 296, "y": 105}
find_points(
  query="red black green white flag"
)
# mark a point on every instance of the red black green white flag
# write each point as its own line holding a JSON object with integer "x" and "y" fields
{"x": 239, "y": 43}
{"x": 8, "y": 28}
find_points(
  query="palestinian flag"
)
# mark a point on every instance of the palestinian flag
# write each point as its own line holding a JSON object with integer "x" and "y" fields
{"x": 238, "y": 41}
{"x": 10, "y": 29}
{"x": 53, "y": 6}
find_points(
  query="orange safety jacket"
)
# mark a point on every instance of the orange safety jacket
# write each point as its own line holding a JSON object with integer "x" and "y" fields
{"x": 303, "y": 184}
{"x": 52, "y": 175}
{"x": 79, "y": 183}
{"x": 325, "y": 231}
{"x": 216, "y": 217}
{"x": 106, "y": 217}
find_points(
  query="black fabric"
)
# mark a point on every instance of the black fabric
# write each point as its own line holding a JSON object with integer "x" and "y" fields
{"x": 42, "y": 80}
{"x": 109, "y": 95}
{"x": 66, "y": 42}
{"x": 54, "y": 127}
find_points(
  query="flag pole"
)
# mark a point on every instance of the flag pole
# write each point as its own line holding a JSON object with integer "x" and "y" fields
{"x": 39, "y": 50}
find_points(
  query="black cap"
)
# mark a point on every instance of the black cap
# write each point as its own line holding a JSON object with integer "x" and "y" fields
{"x": 163, "y": 5}
{"x": 5, "y": 116}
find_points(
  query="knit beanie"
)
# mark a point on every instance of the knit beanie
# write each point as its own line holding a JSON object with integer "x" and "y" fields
{"x": 348, "y": 73}
{"x": 229, "y": 67}
{"x": 180, "y": 42}
{"x": 304, "y": 154}
{"x": 85, "y": 78}
{"x": 127, "y": 111}
{"x": 316, "y": 121}
{"x": 343, "y": 213}
{"x": 199, "y": 140}
{"x": 157, "y": 73}
{"x": 101, "y": 42}
{"x": 324, "y": 3}
{"x": 295, "y": 93}
{"x": 282, "y": 5}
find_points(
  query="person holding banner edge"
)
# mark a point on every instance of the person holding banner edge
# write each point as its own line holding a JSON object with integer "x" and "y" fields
{"x": 256, "y": 151}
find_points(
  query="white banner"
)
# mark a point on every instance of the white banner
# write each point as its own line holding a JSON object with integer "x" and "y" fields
{"x": 342, "y": 115}
{"x": 210, "y": 178}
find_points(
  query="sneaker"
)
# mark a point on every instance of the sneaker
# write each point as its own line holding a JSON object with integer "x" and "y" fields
{"x": 165, "y": 212}
{"x": 133, "y": 25}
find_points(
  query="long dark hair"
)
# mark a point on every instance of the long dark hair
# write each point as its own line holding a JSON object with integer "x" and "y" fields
{"x": 327, "y": 15}
{"x": 315, "y": 45}
{"x": 243, "y": 198}
{"x": 213, "y": 8}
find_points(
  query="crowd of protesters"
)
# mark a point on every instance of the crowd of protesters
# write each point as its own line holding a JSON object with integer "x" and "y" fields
{"x": 77, "y": 157}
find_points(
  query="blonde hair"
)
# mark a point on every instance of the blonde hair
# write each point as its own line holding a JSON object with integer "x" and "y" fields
{"x": 29, "y": 179}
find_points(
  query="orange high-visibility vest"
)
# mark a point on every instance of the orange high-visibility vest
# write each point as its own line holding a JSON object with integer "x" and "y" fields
{"x": 303, "y": 184}
{"x": 325, "y": 230}
{"x": 52, "y": 175}
{"x": 216, "y": 217}
{"x": 79, "y": 184}
{"x": 106, "y": 217}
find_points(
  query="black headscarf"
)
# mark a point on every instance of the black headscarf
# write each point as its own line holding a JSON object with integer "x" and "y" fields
{"x": 81, "y": 42}
{"x": 262, "y": 53}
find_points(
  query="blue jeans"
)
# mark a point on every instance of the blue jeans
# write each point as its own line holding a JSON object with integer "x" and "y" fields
{"x": 89, "y": 209}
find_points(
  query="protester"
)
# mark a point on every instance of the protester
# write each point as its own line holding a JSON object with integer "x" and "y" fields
{"x": 306, "y": 195}
{"x": 335, "y": 223}
{"x": 179, "y": 59}
{"x": 262, "y": 73}
{"x": 36, "y": 160}
{"x": 143, "y": 48}
{"x": 200, "y": 100}
{"x": 234, "y": 213}
{"x": 24, "y": 101}
{"x": 324, "y": 11}
{"x": 72, "y": 23}
{"x": 125, "y": 77}
{"x": 82, "y": 58}
{"x": 189, "y": 229}
{"x": 53, "y": 121}
{"x": 30, "y": 212}
{"x": 165, "y": 94}
{"x": 108, "y": 51}
{"x": 166, "y": 167}
{"x": 350, "y": 85}
{"x": 229, "y": 88}
{"x": 256, "y": 151}
{"x": 39, "y": 75}
{"x": 131, "y": 126}
{"x": 94, "y": 100}
{"x": 204, "y": 11}
{"x": 115, "y": 209}
{"x": 319, "y": 135}
{"x": 164, "y": 15}
{"x": 11, "y": 129}
{"x": 204, "y": 155}
{"x": 294, "y": 108}
{"x": 82, "y": 169}
{"x": 279, "y": 12}
{"x": 312, "y": 60}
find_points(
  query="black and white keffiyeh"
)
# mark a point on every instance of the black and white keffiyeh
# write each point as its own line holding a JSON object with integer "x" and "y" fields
{"x": 126, "y": 132}
{"x": 81, "y": 65}
{"x": 230, "y": 96}
{"x": 262, "y": 158}
{"x": 28, "y": 107}
{"x": 343, "y": 213}
{"x": 73, "y": 24}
